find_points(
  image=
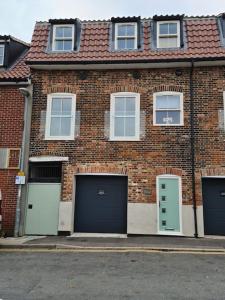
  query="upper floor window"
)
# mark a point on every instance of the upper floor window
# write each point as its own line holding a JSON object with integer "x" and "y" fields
{"x": 60, "y": 117}
{"x": 63, "y": 38}
{"x": 168, "y": 34}
{"x": 2, "y": 50}
{"x": 168, "y": 109}
{"x": 125, "y": 36}
{"x": 125, "y": 116}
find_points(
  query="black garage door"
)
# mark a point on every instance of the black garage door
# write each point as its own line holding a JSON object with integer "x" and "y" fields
{"x": 214, "y": 206}
{"x": 101, "y": 204}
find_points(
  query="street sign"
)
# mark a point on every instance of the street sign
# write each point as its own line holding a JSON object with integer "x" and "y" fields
{"x": 20, "y": 180}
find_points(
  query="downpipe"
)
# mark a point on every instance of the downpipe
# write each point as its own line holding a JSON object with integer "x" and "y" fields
{"x": 192, "y": 127}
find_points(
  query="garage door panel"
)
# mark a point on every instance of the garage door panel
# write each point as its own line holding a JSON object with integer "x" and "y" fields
{"x": 214, "y": 206}
{"x": 101, "y": 204}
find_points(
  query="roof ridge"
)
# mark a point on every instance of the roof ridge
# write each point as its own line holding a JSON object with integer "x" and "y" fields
{"x": 142, "y": 18}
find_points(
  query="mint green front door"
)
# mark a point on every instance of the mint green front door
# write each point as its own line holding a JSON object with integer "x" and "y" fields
{"x": 168, "y": 201}
{"x": 43, "y": 208}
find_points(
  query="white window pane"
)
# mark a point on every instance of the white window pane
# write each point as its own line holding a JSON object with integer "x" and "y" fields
{"x": 120, "y": 106}
{"x": 119, "y": 126}
{"x": 59, "y": 32}
{"x": 173, "y": 101}
{"x": 67, "y": 45}
{"x": 172, "y": 28}
{"x": 59, "y": 45}
{"x": 67, "y": 32}
{"x": 122, "y": 30}
{"x": 168, "y": 102}
{"x": 161, "y": 102}
{"x": 130, "y": 126}
{"x": 56, "y": 106}
{"x": 130, "y": 106}
{"x": 66, "y": 106}
{"x": 167, "y": 42}
{"x": 130, "y": 44}
{"x": 55, "y": 126}
{"x": 163, "y": 28}
{"x": 168, "y": 117}
{"x": 130, "y": 30}
{"x": 65, "y": 126}
{"x": 1, "y": 60}
{"x": 121, "y": 43}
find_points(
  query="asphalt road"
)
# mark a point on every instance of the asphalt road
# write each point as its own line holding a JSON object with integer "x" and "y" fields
{"x": 78, "y": 276}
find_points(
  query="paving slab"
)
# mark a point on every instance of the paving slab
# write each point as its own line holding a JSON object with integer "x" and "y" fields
{"x": 132, "y": 242}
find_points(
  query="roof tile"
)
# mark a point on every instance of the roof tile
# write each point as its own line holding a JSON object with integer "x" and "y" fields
{"x": 203, "y": 40}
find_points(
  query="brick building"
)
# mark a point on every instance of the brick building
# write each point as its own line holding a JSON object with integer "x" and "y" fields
{"x": 127, "y": 126}
{"x": 14, "y": 74}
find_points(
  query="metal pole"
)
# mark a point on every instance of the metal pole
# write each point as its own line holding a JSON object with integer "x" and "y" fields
{"x": 25, "y": 92}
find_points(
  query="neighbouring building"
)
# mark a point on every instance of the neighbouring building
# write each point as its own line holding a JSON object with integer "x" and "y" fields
{"x": 127, "y": 130}
{"x": 14, "y": 74}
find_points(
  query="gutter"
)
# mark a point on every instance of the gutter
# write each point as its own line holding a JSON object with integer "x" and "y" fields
{"x": 192, "y": 133}
{"x": 112, "y": 62}
{"x": 14, "y": 82}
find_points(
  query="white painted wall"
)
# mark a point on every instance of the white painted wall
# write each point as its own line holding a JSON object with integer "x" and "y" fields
{"x": 142, "y": 218}
{"x": 65, "y": 216}
{"x": 188, "y": 221}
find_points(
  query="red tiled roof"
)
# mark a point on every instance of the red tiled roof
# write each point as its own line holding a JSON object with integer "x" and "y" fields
{"x": 202, "y": 40}
{"x": 18, "y": 71}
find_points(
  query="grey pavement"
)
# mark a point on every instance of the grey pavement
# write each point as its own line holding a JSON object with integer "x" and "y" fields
{"x": 103, "y": 276}
{"x": 151, "y": 242}
{"x": 134, "y": 241}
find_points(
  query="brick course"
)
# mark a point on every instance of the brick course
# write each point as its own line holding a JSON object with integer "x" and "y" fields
{"x": 162, "y": 150}
{"x": 11, "y": 116}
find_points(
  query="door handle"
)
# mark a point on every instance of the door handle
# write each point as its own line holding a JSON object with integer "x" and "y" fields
{"x": 30, "y": 206}
{"x": 159, "y": 204}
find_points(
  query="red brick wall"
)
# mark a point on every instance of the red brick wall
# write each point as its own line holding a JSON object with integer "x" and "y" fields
{"x": 162, "y": 150}
{"x": 11, "y": 128}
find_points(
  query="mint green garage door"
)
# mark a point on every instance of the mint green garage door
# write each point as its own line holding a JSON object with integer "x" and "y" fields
{"x": 43, "y": 208}
{"x": 169, "y": 206}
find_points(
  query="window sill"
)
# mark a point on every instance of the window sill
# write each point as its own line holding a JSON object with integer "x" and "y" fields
{"x": 59, "y": 138}
{"x": 166, "y": 125}
{"x": 124, "y": 139}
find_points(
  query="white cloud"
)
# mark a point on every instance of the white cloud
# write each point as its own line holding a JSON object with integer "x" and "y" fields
{"x": 17, "y": 17}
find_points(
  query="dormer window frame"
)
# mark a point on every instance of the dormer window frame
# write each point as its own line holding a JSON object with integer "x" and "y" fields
{"x": 2, "y": 56}
{"x": 54, "y": 39}
{"x": 135, "y": 36}
{"x": 177, "y": 35}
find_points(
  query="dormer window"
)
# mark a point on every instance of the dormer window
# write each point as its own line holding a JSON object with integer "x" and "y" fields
{"x": 63, "y": 38}
{"x": 125, "y": 36}
{"x": 2, "y": 50}
{"x": 168, "y": 34}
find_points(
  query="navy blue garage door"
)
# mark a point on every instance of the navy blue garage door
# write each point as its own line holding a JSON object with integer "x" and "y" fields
{"x": 214, "y": 205}
{"x": 101, "y": 204}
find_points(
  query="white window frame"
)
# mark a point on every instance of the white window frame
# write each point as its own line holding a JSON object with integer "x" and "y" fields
{"x": 125, "y": 37}
{"x": 137, "y": 117}
{"x": 64, "y": 39}
{"x": 2, "y": 63}
{"x": 165, "y": 93}
{"x": 49, "y": 114}
{"x": 168, "y": 35}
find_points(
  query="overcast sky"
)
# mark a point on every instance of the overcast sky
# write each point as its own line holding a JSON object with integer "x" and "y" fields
{"x": 17, "y": 17}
